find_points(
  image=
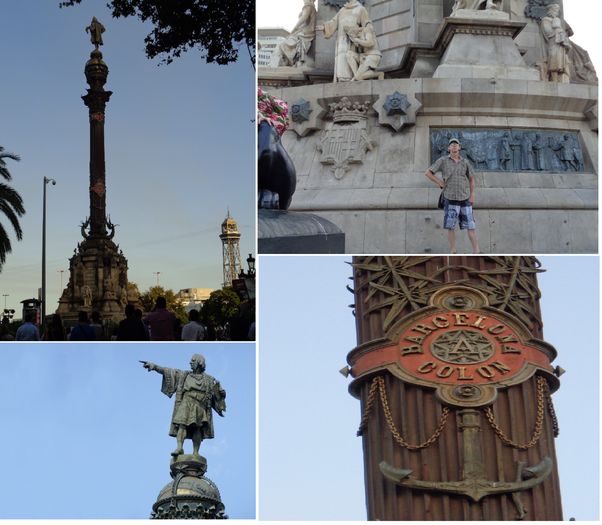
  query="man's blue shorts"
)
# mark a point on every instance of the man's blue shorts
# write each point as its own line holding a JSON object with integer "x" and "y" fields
{"x": 455, "y": 210}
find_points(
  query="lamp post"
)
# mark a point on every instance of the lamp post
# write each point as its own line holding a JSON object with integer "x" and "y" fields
{"x": 251, "y": 265}
{"x": 43, "y": 298}
{"x": 61, "y": 288}
{"x": 5, "y": 295}
{"x": 157, "y": 274}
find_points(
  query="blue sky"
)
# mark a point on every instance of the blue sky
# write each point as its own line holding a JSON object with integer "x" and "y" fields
{"x": 85, "y": 428}
{"x": 310, "y": 460}
{"x": 180, "y": 148}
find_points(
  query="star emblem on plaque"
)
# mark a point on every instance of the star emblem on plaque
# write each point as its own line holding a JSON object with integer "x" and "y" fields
{"x": 461, "y": 346}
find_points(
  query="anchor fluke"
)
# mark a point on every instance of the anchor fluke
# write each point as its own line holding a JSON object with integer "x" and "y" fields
{"x": 541, "y": 470}
{"x": 392, "y": 473}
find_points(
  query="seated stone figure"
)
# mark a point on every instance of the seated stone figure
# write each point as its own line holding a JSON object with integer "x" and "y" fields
{"x": 293, "y": 50}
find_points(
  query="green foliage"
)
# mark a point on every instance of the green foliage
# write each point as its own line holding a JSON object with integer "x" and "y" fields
{"x": 148, "y": 299}
{"x": 11, "y": 205}
{"x": 221, "y": 306}
{"x": 217, "y": 27}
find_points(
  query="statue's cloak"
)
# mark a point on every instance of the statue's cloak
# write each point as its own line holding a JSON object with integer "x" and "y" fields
{"x": 196, "y": 396}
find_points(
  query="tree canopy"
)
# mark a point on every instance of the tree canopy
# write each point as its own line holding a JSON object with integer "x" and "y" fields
{"x": 217, "y": 27}
{"x": 221, "y": 306}
{"x": 11, "y": 206}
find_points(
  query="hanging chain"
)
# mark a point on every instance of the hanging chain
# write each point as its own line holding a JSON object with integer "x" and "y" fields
{"x": 369, "y": 403}
{"x": 551, "y": 411}
{"x": 541, "y": 389}
{"x": 379, "y": 382}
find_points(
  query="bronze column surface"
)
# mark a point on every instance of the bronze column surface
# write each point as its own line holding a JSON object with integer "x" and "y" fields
{"x": 455, "y": 385}
{"x": 96, "y": 75}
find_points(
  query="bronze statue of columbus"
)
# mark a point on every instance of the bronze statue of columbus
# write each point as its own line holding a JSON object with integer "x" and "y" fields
{"x": 197, "y": 394}
{"x": 96, "y": 29}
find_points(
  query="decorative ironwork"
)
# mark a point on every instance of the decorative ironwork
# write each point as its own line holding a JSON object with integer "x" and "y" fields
{"x": 462, "y": 346}
{"x": 404, "y": 288}
{"x": 541, "y": 389}
{"x": 378, "y": 383}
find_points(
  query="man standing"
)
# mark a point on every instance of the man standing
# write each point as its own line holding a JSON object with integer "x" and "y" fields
{"x": 27, "y": 331}
{"x": 161, "y": 322}
{"x": 458, "y": 186}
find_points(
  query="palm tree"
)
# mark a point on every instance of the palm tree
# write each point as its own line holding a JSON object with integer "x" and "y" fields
{"x": 11, "y": 205}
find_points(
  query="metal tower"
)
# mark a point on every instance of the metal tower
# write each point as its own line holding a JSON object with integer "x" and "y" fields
{"x": 230, "y": 237}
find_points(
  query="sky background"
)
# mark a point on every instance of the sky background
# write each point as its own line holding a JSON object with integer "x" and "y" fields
{"x": 180, "y": 149}
{"x": 85, "y": 428}
{"x": 310, "y": 460}
{"x": 582, "y": 15}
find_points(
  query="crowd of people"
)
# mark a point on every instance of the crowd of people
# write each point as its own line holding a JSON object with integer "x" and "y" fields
{"x": 160, "y": 324}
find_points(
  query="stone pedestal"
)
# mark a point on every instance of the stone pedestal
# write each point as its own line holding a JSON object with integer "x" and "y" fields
{"x": 283, "y": 231}
{"x": 97, "y": 282}
{"x": 190, "y": 495}
{"x": 479, "y": 44}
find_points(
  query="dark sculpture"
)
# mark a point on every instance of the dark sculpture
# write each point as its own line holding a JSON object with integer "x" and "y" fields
{"x": 96, "y": 29}
{"x": 197, "y": 393}
{"x": 276, "y": 171}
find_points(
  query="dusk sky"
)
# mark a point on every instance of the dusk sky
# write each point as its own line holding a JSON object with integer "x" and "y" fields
{"x": 310, "y": 460}
{"x": 86, "y": 428}
{"x": 180, "y": 149}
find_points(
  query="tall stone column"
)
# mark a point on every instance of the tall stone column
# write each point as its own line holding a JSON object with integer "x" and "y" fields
{"x": 98, "y": 269}
{"x": 96, "y": 100}
{"x": 455, "y": 385}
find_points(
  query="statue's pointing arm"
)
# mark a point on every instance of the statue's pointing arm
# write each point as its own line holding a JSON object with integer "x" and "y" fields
{"x": 152, "y": 367}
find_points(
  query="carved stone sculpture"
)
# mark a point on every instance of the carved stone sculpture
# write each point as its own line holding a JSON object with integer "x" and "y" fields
{"x": 557, "y": 45}
{"x": 370, "y": 55}
{"x": 514, "y": 150}
{"x": 197, "y": 394}
{"x": 582, "y": 68}
{"x": 294, "y": 49}
{"x": 476, "y": 5}
{"x": 351, "y": 16}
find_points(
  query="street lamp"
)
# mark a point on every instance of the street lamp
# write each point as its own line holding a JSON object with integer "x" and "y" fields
{"x": 61, "y": 288}
{"x": 43, "y": 298}
{"x": 157, "y": 274}
{"x": 5, "y": 295}
{"x": 251, "y": 265}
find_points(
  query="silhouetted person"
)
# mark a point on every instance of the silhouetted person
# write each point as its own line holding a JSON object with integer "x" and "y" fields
{"x": 5, "y": 334}
{"x": 194, "y": 330}
{"x": 55, "y": 331}
{"x": 161, "y": 322}
{"x": 27, "y": 331}
{"x": 82, "y": 331}
{"x": 131, "y": 328}
{"x": 96, "y": 325}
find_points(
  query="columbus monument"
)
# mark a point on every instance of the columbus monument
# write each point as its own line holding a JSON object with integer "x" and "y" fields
{"x": 98, "y": 269}
{"x": 376, "y": 89}
{"x": 455, "y": 384}
{"x": 190, "y": 495}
